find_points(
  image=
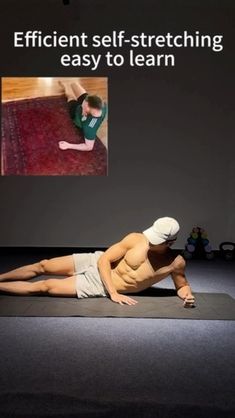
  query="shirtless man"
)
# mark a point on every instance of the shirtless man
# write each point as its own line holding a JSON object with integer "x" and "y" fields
{"x": 135, "y": 263}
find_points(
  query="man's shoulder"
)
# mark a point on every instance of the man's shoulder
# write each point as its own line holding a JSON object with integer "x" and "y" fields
{"x": 79, "y": 108}
{"x": 135, "y": 238}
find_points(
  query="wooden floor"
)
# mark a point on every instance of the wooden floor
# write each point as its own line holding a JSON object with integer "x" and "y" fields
{"x": 16, "y": 88}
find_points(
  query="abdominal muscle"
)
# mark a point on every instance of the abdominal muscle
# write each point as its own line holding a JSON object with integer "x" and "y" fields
{"x": 127, "y": 279}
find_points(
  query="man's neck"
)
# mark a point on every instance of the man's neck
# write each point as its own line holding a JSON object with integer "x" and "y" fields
{"x": 159, "y": 250}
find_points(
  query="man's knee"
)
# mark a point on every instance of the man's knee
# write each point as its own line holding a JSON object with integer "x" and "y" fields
{"x": 45, "y": 286}
{"x": 38, "y": 287}
{"x": 42, "y": 266}
{"x": 78, "y": 89}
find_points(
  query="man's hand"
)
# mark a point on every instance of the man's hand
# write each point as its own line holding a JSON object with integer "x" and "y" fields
{"x": 185, "y": 293}
{"x": 64, "y": 145}
{"x": 189, "y": 301}
{"x": 122, "y": 299}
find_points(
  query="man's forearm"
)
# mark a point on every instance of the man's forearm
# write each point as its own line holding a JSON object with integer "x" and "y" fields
{"x": 79, "y": 147}
{"x": 106, "y": 275}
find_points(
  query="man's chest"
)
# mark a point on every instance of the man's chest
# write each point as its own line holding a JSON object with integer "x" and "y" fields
{"x": 149, "y": 269}
{"x": 152, "y": 268}
{"x": 157, "y": 262}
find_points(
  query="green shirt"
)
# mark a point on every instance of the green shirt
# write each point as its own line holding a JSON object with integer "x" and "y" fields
{"x": 89, "y": 124}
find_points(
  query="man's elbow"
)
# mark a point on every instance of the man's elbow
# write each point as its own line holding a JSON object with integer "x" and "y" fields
{"x": 89, "y": 144}
{"x": 89, "y": 147}
{"x": 103, "y": 260}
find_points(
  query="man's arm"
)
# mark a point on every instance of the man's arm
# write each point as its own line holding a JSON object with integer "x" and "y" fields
{"x": 88, "y": 145}
{"x": 181, "y": 284}
{"x": 114, "y": 253}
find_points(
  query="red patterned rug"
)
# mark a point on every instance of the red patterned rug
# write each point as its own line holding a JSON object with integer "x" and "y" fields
{"x": 31, "y": 130}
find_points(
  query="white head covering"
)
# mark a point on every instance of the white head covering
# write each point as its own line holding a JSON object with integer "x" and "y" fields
{"x": 163, "y": 229}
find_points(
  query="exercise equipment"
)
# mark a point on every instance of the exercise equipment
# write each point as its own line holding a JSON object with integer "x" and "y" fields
{"x": 153, "y": 303}
{"x": 227, "y": 250}
{"x": 198, "y": 245}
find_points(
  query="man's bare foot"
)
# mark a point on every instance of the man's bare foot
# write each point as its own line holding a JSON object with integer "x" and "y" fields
{"x": 61, "y": 84}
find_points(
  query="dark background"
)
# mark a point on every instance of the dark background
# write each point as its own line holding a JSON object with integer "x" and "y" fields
{"x": 171, "y": 136}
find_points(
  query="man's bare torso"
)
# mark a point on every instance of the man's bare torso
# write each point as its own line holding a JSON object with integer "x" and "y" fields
{"x": 140, "y": 267}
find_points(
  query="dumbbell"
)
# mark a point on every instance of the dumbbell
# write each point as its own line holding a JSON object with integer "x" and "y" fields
{"x": 227, "y": 250}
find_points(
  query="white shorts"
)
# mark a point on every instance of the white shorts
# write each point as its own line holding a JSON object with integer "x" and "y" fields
{"x": 88, "y": 280}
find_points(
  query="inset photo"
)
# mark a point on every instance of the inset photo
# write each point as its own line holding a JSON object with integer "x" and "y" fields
{"x": 53, "y": 126}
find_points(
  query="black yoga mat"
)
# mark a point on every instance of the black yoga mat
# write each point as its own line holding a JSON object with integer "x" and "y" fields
{"x": 153, "y": 303}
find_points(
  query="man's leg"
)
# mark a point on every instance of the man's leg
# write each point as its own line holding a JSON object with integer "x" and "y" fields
{"x": 51, "y": 287}
{"x": 57, "y": 265}
{"x": 77, "y": 89}
{"x": 68, "y": 90}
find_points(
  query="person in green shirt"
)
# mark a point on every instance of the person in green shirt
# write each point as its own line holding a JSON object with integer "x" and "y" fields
{"x": 87, "y": 112}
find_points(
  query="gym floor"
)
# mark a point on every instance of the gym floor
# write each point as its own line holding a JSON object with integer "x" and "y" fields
{"x": 16, "y": 88}
{"x": 120, "y": 367}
